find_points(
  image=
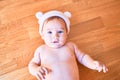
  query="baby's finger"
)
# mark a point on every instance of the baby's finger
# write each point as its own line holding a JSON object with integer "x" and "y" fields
{"x": 40, "y": 76}
{"x": 99, "y": 69}
{"x": 45, "y": 70}
{"x": 41, "y": 70}
{"x": 105, "y": 69}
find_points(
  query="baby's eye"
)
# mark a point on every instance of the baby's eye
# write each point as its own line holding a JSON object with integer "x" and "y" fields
{"x": 60, "y": 31}
{"x": 49, "y": 32}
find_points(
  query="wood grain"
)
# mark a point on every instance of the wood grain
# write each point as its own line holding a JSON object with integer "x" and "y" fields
{"x": 95, "y": 28}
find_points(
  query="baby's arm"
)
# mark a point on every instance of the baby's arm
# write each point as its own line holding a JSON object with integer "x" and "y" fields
{"x": 35, "y": 68}
{"x": 87, "y": 61}
{"x": 92, "y": 64}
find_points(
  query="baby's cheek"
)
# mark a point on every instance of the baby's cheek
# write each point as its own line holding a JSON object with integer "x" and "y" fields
{"x": 48, "y": 38}
{"x": 63, "y": 37}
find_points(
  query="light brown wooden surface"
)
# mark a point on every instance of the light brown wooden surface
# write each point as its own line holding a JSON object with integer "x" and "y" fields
{"x": 95, "y": 28}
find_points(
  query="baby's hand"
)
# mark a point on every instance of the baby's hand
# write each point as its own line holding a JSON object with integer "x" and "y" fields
{"x": 41, "y": 72}
{"x": 100, "y": 67}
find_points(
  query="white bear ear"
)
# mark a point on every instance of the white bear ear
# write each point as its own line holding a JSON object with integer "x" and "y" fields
{"x": 38, "y": 15}
{"x": 68, "y": 14}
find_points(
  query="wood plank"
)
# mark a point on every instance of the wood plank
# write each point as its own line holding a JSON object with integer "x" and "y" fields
{"x": 95, "y": 28}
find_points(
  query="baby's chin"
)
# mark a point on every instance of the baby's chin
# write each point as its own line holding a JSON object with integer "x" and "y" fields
{"x": 56, "y": 46}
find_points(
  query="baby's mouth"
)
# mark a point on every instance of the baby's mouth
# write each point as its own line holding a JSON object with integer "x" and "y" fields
{"x": 55, "y": 41}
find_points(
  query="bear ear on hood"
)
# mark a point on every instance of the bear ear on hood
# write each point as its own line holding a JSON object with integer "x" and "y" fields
{"x": 68, "y": 14}
{"x": 39, "y": 15}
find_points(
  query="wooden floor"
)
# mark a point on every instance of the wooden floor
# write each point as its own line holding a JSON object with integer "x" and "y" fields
{"x": 95, "y": 28}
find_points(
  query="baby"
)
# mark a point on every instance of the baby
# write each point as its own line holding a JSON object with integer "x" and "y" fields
{"x": 56, "y": 59}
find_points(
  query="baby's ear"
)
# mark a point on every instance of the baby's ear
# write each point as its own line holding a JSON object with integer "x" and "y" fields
{"x": 68, "y": 14}
{"x": 38, "y": 15}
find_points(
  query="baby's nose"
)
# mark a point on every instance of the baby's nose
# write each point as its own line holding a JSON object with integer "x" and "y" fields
{"x": 55, "y": 35}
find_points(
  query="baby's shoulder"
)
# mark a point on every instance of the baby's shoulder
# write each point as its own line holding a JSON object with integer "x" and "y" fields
{"x": 71, "y": 44}
{"x": 40, "y": 48}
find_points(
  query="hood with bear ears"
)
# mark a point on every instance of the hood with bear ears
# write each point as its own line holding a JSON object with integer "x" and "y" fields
{"x": 42, "y": 17}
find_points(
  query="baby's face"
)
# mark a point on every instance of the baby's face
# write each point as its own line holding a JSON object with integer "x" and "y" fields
{"x": 54, "y": 33}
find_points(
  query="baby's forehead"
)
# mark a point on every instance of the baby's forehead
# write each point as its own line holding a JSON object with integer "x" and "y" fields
{"x": 54, "y": 17}
{"x": 55, "y": 22}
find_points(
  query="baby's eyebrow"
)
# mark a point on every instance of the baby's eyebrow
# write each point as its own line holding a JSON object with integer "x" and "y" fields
{"x": 61, "y": 29}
